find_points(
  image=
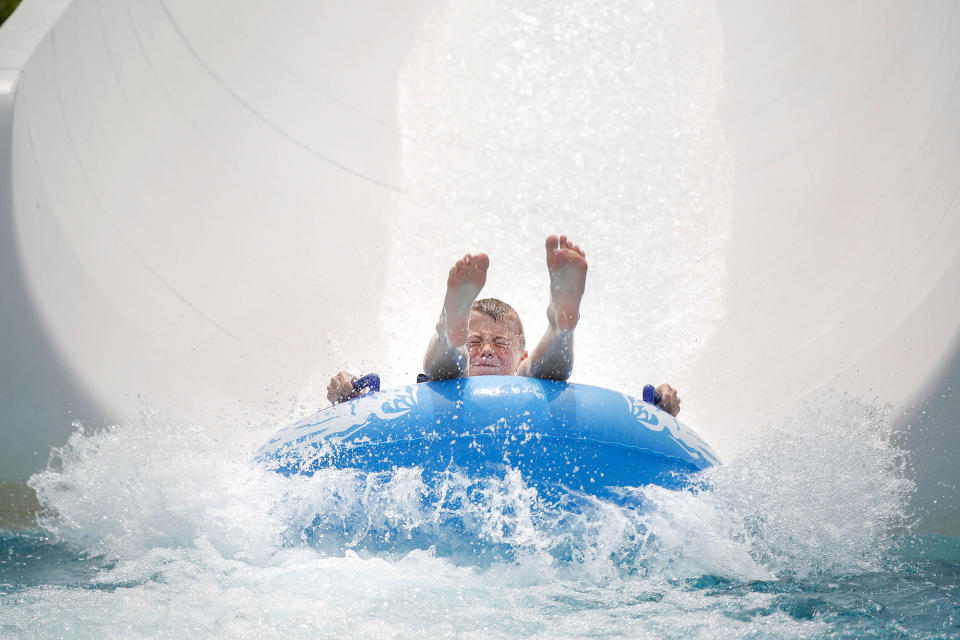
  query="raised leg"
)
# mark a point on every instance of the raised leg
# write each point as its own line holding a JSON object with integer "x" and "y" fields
{"x": 446, "y": 355}
{"x": 552, "y": 358}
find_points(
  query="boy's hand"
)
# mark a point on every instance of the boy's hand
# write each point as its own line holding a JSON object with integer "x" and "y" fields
{"x": 341, "y": 388}
{"x": 669, "y": 400}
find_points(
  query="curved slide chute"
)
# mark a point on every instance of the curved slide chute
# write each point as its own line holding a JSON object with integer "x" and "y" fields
{"x": 186, "y": 188}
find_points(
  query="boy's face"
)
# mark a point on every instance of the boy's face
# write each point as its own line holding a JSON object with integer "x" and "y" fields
{"x": 493, "y": 347}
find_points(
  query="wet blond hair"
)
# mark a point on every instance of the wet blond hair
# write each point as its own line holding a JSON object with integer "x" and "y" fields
{"x": 501, "y": 311}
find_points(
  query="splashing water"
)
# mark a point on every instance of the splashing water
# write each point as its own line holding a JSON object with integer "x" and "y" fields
{"x": 191, "y": 538}
{"x": 596, "y": 119}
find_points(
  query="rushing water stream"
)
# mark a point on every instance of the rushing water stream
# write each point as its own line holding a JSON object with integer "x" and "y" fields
{"x": 165, "y": 530}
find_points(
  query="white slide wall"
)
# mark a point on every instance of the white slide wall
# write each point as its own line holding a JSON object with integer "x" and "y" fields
{"x": 198, "y": 195}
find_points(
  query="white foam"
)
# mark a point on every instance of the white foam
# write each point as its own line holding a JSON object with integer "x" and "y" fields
{"x": 207, "y": 544}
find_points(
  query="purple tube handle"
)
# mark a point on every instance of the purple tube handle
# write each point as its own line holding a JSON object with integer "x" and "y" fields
{"x": 369, "y": 383}
{"x": 651, "y": 395}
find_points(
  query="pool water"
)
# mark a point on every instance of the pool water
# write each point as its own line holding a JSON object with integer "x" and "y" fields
{"x": 807, "y": 533}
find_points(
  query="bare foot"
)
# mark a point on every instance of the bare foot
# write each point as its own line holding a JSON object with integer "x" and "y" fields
{"x": 466, "y": 279}
{"x": 567, "y": 264}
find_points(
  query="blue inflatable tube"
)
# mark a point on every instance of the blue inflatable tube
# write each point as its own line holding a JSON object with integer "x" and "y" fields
{"x": 560, "y": 436}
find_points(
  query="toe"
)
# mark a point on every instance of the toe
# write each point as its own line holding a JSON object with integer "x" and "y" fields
{"x": 482, "y": 261}
{"x": 552, "y": 243}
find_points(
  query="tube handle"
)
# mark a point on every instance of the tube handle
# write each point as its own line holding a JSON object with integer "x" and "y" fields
{"x": 651, "y": 395}
{"x": 369, "y": 383}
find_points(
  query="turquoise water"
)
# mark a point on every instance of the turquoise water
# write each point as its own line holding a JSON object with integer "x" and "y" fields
{"x": 158, "y": 529}
{"x": 51, "y": 589}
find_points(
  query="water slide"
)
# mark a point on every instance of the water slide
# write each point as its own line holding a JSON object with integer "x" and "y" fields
{"x": 208, "y": 207}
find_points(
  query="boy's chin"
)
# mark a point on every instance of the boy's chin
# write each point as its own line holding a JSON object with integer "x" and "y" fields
{"x": 487, "y": 371}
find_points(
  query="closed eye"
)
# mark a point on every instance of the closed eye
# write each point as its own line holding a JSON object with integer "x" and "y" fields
{"x": 500, "y": 342}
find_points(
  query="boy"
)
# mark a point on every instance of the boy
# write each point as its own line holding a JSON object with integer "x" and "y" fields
{"x": 485, "y": 337}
